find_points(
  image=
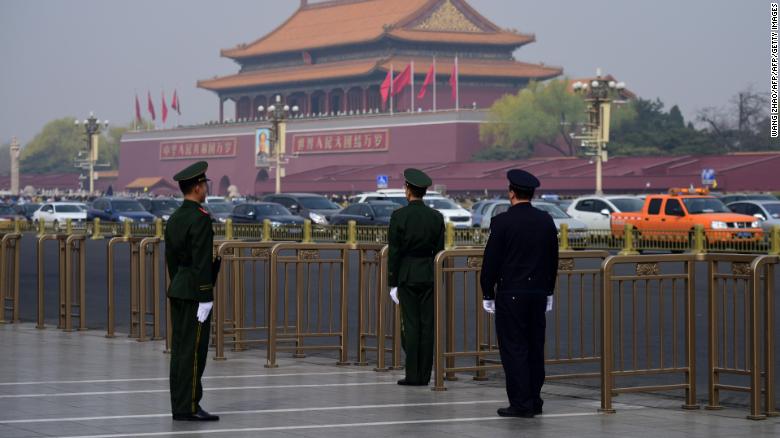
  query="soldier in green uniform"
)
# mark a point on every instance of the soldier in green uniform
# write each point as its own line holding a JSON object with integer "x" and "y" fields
{"x": 189, "y": 240}
{"x": 416, "y": 236}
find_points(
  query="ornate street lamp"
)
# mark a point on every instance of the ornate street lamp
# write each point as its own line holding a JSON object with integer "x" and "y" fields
{"x": 277, "y": 114}
{"x": 598, "y": 94}
{"x": 92, "y": 128}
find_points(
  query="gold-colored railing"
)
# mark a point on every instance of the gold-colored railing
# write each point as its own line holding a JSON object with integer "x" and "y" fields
{"x": 379, "y": 325}
{"x": 10, "y": 253}
{"x": 309, "y": 303}
{"x": 648, "y": 308}
{"x": 740, "y": 287}
{"x": 241, "y": 295}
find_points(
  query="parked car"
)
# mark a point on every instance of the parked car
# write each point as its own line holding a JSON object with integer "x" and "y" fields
{"x": 257, "y": 212}
{"x": 366, "y": 213}
{"x": 306, "y": 205}
{"x": 219, "y": 211}
{"x": 578, "y": 230}
{"x": 767, "y": 212}
{"x": 58, "y": 213}
{"x": 215, "y": 199}
{"x": 452, "y": 212}
{"x": 678, "y": 213}
{"x": 395, "y": 195}
{"x": 27, "y": 210}
{"x": 160, "y": 207}
{"x": 112, "y": 209}
{"x": 478, "y": 209}
{"x": 595, "y": 211}
{"x": 728, "y": 199}
{"x": 8, "y": 213}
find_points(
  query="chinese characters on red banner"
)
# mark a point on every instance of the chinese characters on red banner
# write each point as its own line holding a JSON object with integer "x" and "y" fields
{"x": 186, "y": 149}
{"x": 347, "y": 141}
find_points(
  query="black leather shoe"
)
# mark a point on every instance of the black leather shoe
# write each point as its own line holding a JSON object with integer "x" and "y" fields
{"x": 201, "y": 415}
{"x": 514, "y": 412}
{"x": 404, "y": 382}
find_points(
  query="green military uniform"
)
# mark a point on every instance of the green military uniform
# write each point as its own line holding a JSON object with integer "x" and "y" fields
{"x": 416, "y": 236}
{"x": 189, "y": 241}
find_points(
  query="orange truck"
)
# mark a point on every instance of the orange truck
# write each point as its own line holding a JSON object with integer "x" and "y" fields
{"x": 675, "y": 216}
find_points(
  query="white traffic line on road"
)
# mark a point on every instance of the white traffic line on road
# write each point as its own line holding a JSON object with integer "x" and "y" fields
{"x": 167, "y": 391}
{"x": 161, "y": 379}
{"x": 328, "y": 426}
{"x": 254, "y": 412}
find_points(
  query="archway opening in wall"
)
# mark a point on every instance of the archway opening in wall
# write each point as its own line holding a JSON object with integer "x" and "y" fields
{"x": 243, "y": 108}
{"x": 355, "y": 100}
{"x": 317, "y": 102}
{"x": 337, "y": 101}
{"x": 224, "y": 183}
{"x": 262, "y": 177}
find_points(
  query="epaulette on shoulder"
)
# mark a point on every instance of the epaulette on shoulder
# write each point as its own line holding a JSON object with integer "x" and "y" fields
{"x": 203, "y": 210}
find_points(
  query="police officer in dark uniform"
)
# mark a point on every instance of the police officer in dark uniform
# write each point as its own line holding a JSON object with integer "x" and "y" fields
{"x": 189, "y": 241}
{"x": 416, "y": 235}
{"x": 519, "y": 271}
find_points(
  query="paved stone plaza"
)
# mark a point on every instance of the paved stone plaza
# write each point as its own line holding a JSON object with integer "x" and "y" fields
{"x": 82, "y": 384}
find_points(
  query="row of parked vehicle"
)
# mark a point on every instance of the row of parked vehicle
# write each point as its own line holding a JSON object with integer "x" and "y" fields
{"x": 375, "y": 208}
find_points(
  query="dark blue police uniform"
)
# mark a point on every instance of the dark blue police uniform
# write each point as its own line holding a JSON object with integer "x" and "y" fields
{"x": 519, "y": 271}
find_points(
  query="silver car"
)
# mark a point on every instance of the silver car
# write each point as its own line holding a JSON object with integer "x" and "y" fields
{"x": 578, "y": 230}
{"x": 767, "y": 212}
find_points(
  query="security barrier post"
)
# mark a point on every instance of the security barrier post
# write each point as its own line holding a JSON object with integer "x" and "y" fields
{"x": 774, "y": 240}
{"x": 96, "y": 234}
{"x": 628, "y": 241}
{"x": 563, "y": 242}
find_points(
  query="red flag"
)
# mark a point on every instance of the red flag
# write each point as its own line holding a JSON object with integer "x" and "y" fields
{"x": 429, "y": 78}
{"x": 164, "y": 109}
{"x": 137, "y": 109}
{"x": 402, "y": 80}
{"x": 175, "y": 104}
{"x": 150, "y": 105}
{"x": 387, "y": 84}
{"x": 454, "y": 81}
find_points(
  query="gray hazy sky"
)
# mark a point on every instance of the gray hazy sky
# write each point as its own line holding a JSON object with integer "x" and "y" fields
{"x": 68, "y": 57}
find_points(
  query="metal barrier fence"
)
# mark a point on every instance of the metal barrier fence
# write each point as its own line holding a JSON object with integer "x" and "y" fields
{"x": 378, "y": 318}
{"x": 465, "y": 338}
{"x": 739, "y": 288}
{"x": 631, "y": 314}
{"x": 10, "y": 251}
{"x": 629, "y": 240}
{"x": 241, "y": 305}
{"x": 648, "y": 313}
{"x": 307, "y": 309}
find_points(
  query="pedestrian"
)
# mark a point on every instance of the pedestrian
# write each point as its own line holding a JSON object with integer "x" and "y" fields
{"x": 519, "y": 271}
{"x": 189, "y": 241}
{"x": 416, "y": 235}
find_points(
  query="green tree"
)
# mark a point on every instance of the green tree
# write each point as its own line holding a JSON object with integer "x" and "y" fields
{"x": 54, "y": 148}
{"x": 58, "y": 144}
{"x": 540, "y": 114}
{"x": 653, "y": 131}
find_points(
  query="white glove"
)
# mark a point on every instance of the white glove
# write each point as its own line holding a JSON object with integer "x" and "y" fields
{"x": 394, "y": 294}
{"x": 549, "y": 303}
{"x": 489, "y": 306}
{"x": 203, "y": 310}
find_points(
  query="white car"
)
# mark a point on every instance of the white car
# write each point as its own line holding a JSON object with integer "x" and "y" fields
{"x": 394, "y": 195}
{"x": 595, "y": 211}
{"x": 452, "y": 212}
{"x": 578, "y": 231}
{"x": 58, "y": 213}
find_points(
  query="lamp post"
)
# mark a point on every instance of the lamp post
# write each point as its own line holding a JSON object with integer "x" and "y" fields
{"x": 598, "y": 95}
{"x": 92, "y": 128}
{"x": 277, "y": 114}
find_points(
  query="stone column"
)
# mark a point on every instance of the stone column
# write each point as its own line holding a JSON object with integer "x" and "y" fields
{"x": 14, "y": 150}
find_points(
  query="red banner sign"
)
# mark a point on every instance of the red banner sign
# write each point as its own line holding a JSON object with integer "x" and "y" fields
{"x": 346, "y": 141}
{"x": 188, "y": 149}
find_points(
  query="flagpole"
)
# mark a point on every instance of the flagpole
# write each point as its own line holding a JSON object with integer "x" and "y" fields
{"x": 457, "y": 84}
{"x": 412, "y": 94}
{"x": 392, "y": 79}
{"x": 434, "y": 84}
